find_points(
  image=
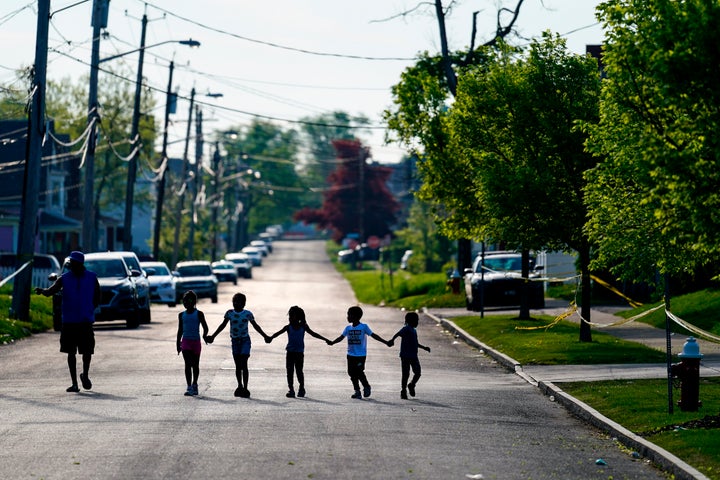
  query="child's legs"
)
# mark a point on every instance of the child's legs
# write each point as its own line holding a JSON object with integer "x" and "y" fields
{"x": 405, "y": 369}
{"x": 192, "y": 366}
{"x": 290, "y": 368}
{"x": 415, "y": 365}
{"x": 299, "y": 363}
{"x": 356, "y": 370}
{"x": 241, "y": 369}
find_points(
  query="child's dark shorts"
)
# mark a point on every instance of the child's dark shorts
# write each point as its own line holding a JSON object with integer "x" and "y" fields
{"x": 241, "y": 346}
{"x": 77, "y": 338}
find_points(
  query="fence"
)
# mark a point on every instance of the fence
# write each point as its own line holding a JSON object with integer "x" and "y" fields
{"x": 39, "y": 276}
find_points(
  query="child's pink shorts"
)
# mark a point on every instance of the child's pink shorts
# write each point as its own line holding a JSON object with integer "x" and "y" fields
{"x": 194, "y": 346}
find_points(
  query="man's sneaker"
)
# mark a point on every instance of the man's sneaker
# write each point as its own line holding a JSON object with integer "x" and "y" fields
{"x": 367, "y": 391}
{"x": 194, "y": 389}
{"x": 290, "y": 394}
{"x": 86, "y": 383}
{"x": 189, "y": 391}
{"x": 356, "y": 394}
{"x": 411, "y": 389}
{"x": 72, "y": 388}
{"x": 301, "y": 392}
{"x": 403, "y": 395}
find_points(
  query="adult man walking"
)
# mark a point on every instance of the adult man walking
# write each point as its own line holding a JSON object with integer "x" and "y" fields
{"x": 80, "y": 296}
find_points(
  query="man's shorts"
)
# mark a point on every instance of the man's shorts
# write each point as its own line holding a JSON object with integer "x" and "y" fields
{"x": 77, "y": 338}
{"x": 194, "y": 346}
{"x": 241, "y": 346}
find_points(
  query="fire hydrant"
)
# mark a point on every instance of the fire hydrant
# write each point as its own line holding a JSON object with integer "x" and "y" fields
{"x": 688, "y": 371}
{"x": 454, "y": 282}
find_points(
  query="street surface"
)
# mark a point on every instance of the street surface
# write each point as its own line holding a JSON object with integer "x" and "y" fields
{"x": 470, "y": 419}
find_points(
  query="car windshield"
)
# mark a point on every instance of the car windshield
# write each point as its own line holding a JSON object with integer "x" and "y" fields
{"x": 194, "y": 271}
{"x": 107, "y": 268}
{"x": 502, "y": 264}
{"x": 223, "y": 266}
{"x": 161, "y": 270}
{"x": 132, "y": 262}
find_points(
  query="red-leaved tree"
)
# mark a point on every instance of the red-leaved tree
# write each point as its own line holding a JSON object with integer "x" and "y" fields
{"x": 358, "y": 200}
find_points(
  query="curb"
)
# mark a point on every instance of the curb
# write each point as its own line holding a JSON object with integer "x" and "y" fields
{"x": 659, "y": 456}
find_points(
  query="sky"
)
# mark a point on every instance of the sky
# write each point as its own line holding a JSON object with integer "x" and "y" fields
{"x": 277, "y": 60}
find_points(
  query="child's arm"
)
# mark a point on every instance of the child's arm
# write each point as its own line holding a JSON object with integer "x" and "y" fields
{"x": 211, "y": 338}
{"x": 276, "y": 334}
{"x": 201, "y": 317}
{"x": 316, "y": 335}
{"x": 338, "y": 339}
{"x": 427, "y": 349}
{"x": 380, "y": 339}
{"x": 257, "y": 327}
{"x": 179, "y": 332}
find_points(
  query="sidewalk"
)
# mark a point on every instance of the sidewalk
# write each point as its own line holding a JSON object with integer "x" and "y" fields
{"x": 544, "y": 376}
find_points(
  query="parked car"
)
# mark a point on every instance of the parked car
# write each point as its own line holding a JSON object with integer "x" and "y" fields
{"x": 346, "y": 256}
{"x": 243, "y": 263}
{"x": 262, "y": 246}
{"x": 143, "y": 284}
{"x": 225, "y": 271}
{"x": 497, "y": 281}
{"x": 119, "y": 299}
{"x": 268, "y": 239}
{"x": 162, "y": 283}
{"x": 255, "y": 255}
{"x": 196, "y": 275}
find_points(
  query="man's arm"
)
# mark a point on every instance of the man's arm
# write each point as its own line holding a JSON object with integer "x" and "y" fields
{"x": 52, "y": 289}
{"x": 97, "y": 294}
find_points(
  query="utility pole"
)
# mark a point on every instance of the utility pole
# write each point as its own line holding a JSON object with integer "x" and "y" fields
{"x": 183, "y": 183}
{"x": 31, "y": 180}
{"x": 216, "y": 201}
{"x": 163, "y": 169}
{"x": 195, "y": 180}
{"x": 99, "y": 21}
{"x": 137, "y": 144}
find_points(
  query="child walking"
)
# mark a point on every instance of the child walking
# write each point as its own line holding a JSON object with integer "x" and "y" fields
{"x": 295, "y": 356}
{"x": 409, "y": 354}
{"x": 239, "y": 318}
{"x": 188, "y": 339}
{"x": 357, "y": 334}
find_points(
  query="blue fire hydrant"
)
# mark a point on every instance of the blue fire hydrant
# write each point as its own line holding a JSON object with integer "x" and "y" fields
{"x": 688, "y": 371}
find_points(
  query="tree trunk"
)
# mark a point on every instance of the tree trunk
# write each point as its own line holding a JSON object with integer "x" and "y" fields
{"x": 586, "y": 293}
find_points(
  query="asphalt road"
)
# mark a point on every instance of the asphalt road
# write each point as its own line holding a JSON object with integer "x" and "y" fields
{"x": 470, "y": 419}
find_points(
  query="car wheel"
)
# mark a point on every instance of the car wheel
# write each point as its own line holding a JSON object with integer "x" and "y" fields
{"x": 235, "y": 281}
{"x": 171, "y": 305}
{"x": 214, "y": 298}
{"x": 145, "y": 315}
{"x": 133, "y": 321}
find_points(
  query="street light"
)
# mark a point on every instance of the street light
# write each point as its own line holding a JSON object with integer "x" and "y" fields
{"x": 89, "y": 237}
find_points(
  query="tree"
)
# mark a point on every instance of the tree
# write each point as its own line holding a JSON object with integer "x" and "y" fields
{"x": 421, "y": 102}
{"x": 358, "y": 200}
{"x": 319, "y": 132}
{"x": 431, "y": 250}
{"x": 653, "y": 198}
{"x": 514, "y": 126}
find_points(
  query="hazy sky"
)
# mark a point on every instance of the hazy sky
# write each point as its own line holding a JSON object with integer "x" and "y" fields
{"x": 277, "y": 59}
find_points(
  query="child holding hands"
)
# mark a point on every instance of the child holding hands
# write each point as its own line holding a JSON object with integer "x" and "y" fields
{"x": 188, "y": 340}
{"x": 357, "y": 334}
{"x": 239, "y": 318}
{"x": 409, "y": 353}
{"x": 295, "y": 356}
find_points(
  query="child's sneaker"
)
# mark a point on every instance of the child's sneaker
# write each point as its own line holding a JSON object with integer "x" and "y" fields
{"x": 194, "y": 389}
{"x": 367, "y": 391}
{"x": 72, "y": 388}
{"x": 290, "y": 393}
{"x": 189, "y": 391}
{"x": 411, "y": 389}
{"x": 356, "y": 394}
{"x": 238, "y": 392}
{"x": 86, "y": 383}
{"x": 403, "y": 395}
{"x": 301, "y": 392}
{"x": 245, "y": 393}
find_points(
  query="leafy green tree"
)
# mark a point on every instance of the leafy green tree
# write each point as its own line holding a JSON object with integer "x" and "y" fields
{"x": 653, "y": 200}
{"x": 514, "y": 127}
{"x": 431, "y": 250}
